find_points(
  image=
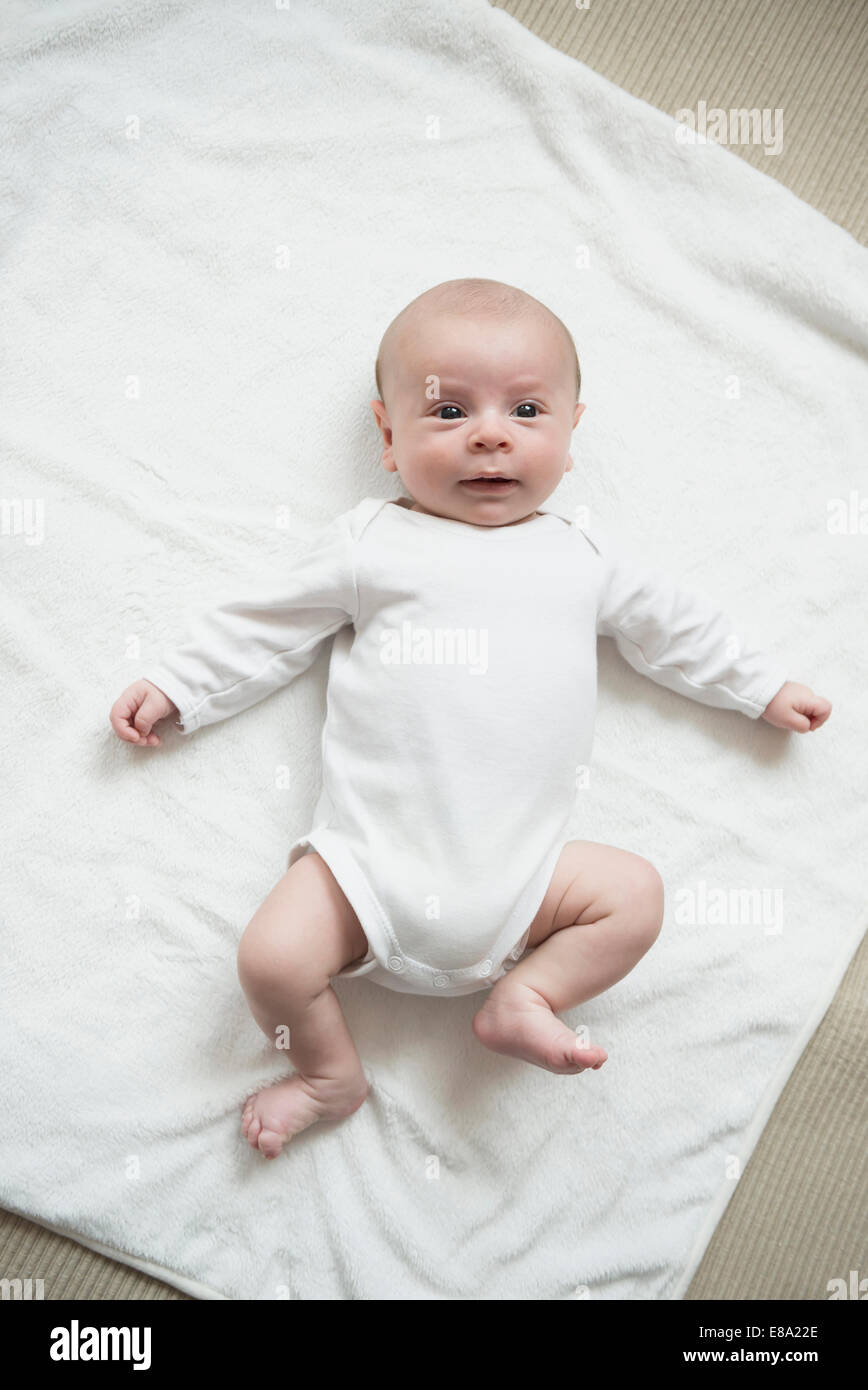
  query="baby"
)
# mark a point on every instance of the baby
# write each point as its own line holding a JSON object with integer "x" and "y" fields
{"x": 461, "y": 695}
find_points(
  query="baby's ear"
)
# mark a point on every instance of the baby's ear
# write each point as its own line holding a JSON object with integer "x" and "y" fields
{"x": 580, "y": 410}
{"x": 380, "y": 415}
{"x": 382, "y": 419}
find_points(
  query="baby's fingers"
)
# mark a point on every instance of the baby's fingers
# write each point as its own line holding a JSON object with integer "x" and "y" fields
{"x": 147, "y": 740}
{"x": 148, "y": 714}
{"x": 132, "y": 719}
{"x": 798, "y": 721}
{"x": 121, "y": 717}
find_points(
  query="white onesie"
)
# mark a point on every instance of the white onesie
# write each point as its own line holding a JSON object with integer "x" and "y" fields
{"x": 461, "y": 696}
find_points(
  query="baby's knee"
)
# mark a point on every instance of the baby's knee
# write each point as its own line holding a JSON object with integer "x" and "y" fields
{"x": 269, "y": 963}
{"x": 644, "y": 894}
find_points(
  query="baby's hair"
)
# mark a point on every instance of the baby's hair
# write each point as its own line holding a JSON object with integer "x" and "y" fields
{"x": 479, "y": 296}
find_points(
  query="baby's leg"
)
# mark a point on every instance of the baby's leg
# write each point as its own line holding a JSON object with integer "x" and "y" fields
{"x": 603, "y": 910}
{"x": 304, "y": 933}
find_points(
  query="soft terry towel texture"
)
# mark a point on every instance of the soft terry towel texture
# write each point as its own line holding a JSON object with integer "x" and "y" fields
{"x": 215, "y": 210}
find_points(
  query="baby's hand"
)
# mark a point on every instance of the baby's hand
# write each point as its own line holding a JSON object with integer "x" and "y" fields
{"x": 797, "y": 707}
{"x": 135, "y": 713}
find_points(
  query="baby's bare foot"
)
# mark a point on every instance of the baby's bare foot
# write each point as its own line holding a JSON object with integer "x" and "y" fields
{"x": 279, "y": 1112}
{"x": 521, "y": 1024}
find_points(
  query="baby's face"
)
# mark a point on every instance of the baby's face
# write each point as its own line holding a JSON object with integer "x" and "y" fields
{"x": 470, "y": 398}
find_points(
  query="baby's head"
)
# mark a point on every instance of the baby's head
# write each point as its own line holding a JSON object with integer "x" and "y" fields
{"x": 477, "y": 378}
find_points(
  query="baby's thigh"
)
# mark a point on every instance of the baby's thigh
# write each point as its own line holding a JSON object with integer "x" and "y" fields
{"x": 306, "y": 927}
{"x": 592, "y": 880}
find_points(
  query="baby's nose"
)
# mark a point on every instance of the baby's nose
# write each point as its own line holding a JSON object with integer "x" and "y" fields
{"x": 490, "y": 434}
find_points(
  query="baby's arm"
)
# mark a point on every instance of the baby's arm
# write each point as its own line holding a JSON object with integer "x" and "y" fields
{"x": 241, "y": 651}
{"x": 680, "y": 638}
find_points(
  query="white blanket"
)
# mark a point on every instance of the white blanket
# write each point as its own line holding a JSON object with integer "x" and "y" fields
{"x": 215, "y": 210}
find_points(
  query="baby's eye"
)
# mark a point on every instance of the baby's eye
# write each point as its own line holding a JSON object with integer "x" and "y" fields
{"x": 440, "y": 416}
{"x": 527, "y": 405}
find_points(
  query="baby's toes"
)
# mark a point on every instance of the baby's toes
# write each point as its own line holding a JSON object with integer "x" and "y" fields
{"x": 250, "y": 1124}
{"x": 270, "y": 1142}
{"x": 557, "y": 1055}
{"x": 590, "y": 1058}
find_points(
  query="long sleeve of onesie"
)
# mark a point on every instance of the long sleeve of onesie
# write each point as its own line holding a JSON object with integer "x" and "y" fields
{"x": 461, "y": 699}
{"x": 679, "y": 636}
{"x": 240, "y": 652}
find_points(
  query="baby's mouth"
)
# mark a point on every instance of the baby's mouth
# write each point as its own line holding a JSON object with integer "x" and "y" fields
{"x": 495, "y": 483}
